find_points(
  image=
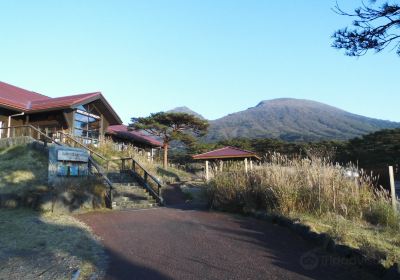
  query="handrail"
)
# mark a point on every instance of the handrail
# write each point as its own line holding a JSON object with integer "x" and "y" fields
{"x": 93, "y": 163}
{"x": 149, "y": 174}
{"x": 154, "y": 192}
{"x": 82, "y": 145}
{"x": 34, "y": 129}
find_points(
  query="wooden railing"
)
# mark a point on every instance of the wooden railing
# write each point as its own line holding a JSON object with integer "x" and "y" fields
{"x": 26, "y": 131}
{"x": 151, "y": 183}
{"x": 101, "y": 173}
{"x": 66, "y": 138}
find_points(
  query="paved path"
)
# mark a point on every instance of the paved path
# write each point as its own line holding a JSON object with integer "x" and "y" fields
{"x": 173, "y": 243}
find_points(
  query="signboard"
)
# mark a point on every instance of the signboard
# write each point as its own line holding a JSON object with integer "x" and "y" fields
{"x": 66, "y": 155}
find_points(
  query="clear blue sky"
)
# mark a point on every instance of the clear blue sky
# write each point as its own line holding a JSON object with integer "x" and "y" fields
{"x": 213, "y": 56}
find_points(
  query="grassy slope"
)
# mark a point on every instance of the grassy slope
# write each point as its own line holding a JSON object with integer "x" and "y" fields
{"x": 375, "y": 241}
{"x": 59, "y": 243}
{"x": 21, "y": 169}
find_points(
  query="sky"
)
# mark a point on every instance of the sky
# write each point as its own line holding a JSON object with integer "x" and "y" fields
{"x": 214, "y": 56}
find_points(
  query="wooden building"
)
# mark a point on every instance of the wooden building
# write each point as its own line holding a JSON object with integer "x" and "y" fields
{"x": 87, "y": 117}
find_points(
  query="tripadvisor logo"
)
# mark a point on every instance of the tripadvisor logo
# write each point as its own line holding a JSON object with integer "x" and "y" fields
{"x": 309, "y": 261}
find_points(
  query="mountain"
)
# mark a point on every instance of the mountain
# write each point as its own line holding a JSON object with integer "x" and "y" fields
{"x": 186, "y": 110}
{"x": 294, "y": 120}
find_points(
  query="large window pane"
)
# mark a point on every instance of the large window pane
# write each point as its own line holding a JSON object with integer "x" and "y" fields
{"x": 87, "y": 124}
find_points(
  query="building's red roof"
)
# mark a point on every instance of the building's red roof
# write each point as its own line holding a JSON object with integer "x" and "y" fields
{"x": 227, "y": 153}
{"x": 27, "y": 101}
{"x": 62, "y": 102}
{"x": 18, "y": 98}
{"x": 22, "y": 100}
{"x": 123, "y": 132}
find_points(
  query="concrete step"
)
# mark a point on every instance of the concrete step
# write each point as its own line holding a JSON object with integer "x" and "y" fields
{"x": 123, "y": 182}
{"x": 130, "y": 189}
{"x": 128, "y": 185}
{"x": 130, "y": 205}
{"x": 125, "y": 198}
{"x": 119, "y": 175}
{"x": 132, "y": 197}
{"x": 128, "y": 193}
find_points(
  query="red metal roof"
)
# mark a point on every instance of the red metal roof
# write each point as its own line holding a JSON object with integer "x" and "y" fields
{"x": 18, "y": 98}
{"x": 62, "y": 102}
{"x": 122, "y": 131}
{"x": 227, "y": 153}
{"x": 22, "y": 100}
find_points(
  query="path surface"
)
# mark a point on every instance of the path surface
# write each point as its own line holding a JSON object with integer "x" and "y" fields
{"x": 179, "y": 243}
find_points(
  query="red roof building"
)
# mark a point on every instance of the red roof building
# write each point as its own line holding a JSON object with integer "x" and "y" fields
{"x": 87, "y": 116}
{"x": 122, "y": 133}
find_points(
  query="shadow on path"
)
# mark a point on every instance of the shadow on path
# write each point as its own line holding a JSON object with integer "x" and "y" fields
{"x": 171, "y": 243}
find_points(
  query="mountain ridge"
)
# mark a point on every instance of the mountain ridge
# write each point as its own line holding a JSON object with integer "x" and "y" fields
{"x": 292, "y": 119}
{"x": 187, "y": 110}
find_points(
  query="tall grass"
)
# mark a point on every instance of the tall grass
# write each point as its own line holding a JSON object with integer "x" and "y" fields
{"x": 312, "y": 186}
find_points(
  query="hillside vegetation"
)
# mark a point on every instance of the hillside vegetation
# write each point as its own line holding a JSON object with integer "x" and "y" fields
{"x": 293, "y": 120}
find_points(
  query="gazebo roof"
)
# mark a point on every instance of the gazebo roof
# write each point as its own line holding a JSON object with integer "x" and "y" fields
{"x": 226, "y": 153}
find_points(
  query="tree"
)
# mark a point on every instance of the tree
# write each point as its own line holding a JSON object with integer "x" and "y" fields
{"x": 375, "y": 27}
{"x": 182, "y": 127}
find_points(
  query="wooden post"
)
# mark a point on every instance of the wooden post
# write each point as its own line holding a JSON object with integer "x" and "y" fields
{"x": 392, "y": 188}
{"x": 9, "y": 127}
{"x": 207, "y": 173}
{"x": 245, "y": 165}
{"x": 251, "y": 164}
{"x": 221, "y": 165}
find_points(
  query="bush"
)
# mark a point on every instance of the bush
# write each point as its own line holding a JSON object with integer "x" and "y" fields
{"x": 381, "y": 213}
{"x": 288, "y": 186}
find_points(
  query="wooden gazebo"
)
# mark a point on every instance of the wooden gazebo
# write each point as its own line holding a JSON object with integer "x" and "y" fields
{"x": 227, "y": 154}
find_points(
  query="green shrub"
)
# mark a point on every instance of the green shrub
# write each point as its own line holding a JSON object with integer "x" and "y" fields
{"x": 381, "y": 213}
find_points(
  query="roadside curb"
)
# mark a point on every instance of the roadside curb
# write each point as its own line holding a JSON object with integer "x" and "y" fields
{"x": 327, "y": 243}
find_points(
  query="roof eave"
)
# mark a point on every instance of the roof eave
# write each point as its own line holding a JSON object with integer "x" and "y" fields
{"x": 99, "y": 96}
{"x": 12, "y": 107}
{"x": 225, "y": 157}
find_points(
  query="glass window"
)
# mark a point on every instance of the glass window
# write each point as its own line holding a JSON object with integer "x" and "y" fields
{"x": 87, "y": 124}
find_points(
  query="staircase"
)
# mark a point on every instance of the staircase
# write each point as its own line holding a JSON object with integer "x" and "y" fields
{"x": 127, "y": 192}
{"x": 130, "y": 186}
